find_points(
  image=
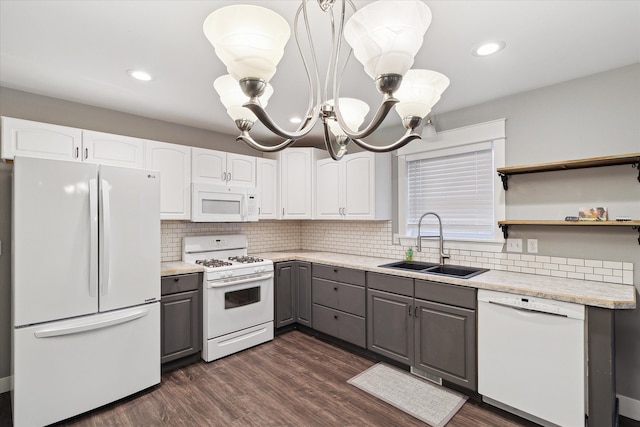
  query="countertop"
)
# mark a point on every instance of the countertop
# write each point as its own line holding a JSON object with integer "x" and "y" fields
{"x": 172, "y": 268}
{"x": 597, "y": 294}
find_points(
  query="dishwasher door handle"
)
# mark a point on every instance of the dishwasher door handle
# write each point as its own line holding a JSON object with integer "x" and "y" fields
{"x": 526, "y": 309}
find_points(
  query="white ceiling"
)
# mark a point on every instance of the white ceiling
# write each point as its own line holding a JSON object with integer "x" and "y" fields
{"x": 80, "y": 51}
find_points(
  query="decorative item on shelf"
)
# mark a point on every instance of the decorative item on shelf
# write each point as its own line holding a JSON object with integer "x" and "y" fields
{"x": 384, "y": 36}
{"x": 593, "y": 214}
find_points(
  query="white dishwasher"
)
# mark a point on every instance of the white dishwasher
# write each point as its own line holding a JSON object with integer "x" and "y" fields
{"x": 531, "y": 357}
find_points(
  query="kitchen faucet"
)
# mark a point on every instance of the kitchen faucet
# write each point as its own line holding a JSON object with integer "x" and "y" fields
{"x": 443, "y": 256}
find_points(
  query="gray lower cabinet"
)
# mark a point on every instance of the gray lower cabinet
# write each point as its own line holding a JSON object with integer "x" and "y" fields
{"x": 390, "y": 316}
{"x": 293, "y": 293}
{"x": 428, "y": 325}
{"x": 445, "y": 332}
{"x": 339, "y": 303}
{"x": 181, "y": 316}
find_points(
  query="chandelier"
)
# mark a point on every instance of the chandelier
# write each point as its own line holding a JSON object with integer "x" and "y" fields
{"x": 384, "y": 36}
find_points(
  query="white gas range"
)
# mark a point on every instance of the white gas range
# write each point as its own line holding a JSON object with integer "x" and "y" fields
{"x": 238, "y": 294}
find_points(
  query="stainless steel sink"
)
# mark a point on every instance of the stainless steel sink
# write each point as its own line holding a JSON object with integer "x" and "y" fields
{"x": 459, "y": 271}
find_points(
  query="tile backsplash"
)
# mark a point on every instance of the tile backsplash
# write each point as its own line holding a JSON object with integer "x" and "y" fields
{"x": 373, "y": 238}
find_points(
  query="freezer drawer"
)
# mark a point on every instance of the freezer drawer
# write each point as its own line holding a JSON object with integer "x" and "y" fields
{"x": 65, "y": 368}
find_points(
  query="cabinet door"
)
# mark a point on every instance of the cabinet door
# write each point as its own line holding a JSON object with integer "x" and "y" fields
{"x": 446, "y": 342}
{"x": 303, "y": 293}
{"x": 42, "y": 140}
{"x": 209, "y": 166}
{"x": 285, "y": 294}
{"x": 390, "y": 325}
{"x": 181, "y": 325}
{"x": 359, "y": 186}
{"x": 267, "y": 185}
{"x": 115, "y": 150}
{"x": 174, "y": 163}
{"x": 241, "y": 170}
{"x": 329, "y": 189}
{"x": 296, "y": 191}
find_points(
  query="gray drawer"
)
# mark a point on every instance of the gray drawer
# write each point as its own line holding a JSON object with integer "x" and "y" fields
{"x": 339, "y": 274}
{"x": 341, "y": 325}
{"x": 341, "y": 296}
{"x": 389, "y": 283}
{"x": 444, "y": 293}
{"x": 179, "y": 283}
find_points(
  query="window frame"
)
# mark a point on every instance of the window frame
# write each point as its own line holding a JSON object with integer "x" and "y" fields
{"x": 456, "y": 141}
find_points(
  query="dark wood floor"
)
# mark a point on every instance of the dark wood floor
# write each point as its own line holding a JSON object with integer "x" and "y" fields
{"x": 294, "y": 380}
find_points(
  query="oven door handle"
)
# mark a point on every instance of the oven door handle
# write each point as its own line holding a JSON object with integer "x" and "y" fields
{"x": 220, "y": 284}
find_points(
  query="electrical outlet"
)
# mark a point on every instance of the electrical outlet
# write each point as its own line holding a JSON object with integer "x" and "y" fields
{"x": 532, "y": 246}
{"x": 514, "y": 245}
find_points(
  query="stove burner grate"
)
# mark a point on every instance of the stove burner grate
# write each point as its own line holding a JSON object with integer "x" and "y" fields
{"x": 212, "y": 263}
{"x": 245, "y": 259}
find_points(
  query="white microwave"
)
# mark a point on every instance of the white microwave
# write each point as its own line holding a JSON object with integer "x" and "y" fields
{"x": 219, "y": 203}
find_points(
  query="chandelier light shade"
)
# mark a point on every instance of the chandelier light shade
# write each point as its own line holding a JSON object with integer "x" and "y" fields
{"x": 249, "y": 40}
{"x": 233, "y": 98}
{"x": 419, "y": 92}
{"x": 384, "y": 36}
{"x": 354, "y": 112}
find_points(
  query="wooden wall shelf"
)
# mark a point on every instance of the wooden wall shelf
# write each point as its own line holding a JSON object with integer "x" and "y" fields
{"x": 622, "y": 159}
{"x": 504, "y": 225}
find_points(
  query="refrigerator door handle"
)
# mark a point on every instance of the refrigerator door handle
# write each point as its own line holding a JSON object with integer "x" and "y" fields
{"x": 106, "y": 238}
{"x": 91, "y": 325}
{"x": 93, "y": 242}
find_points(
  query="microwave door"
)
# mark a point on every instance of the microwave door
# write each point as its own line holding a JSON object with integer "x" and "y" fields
{"x": 217, "y": 206}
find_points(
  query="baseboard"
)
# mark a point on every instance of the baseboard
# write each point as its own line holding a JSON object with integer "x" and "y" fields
{"x": 628, "y": 407}
{"x": 5, "y": 384}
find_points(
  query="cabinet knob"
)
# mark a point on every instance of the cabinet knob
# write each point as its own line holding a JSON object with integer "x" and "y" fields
{"x": 335, "y": 316}
{"x": 335, "y": 270}
{"x": 335, "y": 288}
{"x": 175, "y": 279}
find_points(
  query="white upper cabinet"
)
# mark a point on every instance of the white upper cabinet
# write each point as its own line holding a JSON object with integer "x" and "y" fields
{"x": 358, "y": 187}
{"x": 267, "y": 186}
{"x": 297, "y": 174}
{"x": 43, "y": 140}
{"x": 174, "y": 163}
{"x": 218, "y": 167}
{"x": 115, "y": 150}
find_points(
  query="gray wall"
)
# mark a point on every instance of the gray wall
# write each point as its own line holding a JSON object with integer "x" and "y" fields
{"x": 587, "y": 117}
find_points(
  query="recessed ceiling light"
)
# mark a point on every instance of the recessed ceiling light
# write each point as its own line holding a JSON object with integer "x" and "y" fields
{"x": 295, "y": 120}
{"x": 140, "y": 75}
{"x": 488, "y": 48}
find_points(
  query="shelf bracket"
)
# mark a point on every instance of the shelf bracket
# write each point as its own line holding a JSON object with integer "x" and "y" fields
{"x": 637, "y": 228}
{"x": 505, "y": 178}
{"x": 637, "y": 166}
{"x": 505, "y": 230}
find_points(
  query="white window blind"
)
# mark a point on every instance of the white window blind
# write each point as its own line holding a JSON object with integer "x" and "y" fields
{"x": 459, "y": 188}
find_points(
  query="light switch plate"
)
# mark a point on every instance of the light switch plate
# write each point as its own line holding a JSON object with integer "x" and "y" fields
{"x": 514, "y": 245}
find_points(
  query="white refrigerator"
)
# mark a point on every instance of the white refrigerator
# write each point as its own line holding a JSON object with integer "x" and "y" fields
{"x": 85, "y": 287}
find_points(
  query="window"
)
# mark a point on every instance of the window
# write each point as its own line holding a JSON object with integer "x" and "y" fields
{"x": 456, "y": 178}
{"x": 457, "y": 187}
